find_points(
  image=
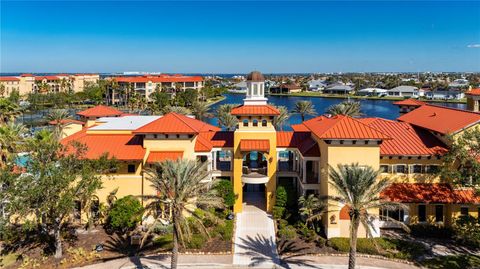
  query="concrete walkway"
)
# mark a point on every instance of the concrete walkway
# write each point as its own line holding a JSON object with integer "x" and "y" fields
{"x": 254, "y": 243}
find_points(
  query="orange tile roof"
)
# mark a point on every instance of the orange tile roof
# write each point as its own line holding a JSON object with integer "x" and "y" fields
{"x": 9, "y": 79}
{"x": 120, "y": 146}
{"x": 303, "y": 141}
{"x": 47, "y": 78}
{"x": 100, "y": 111}
{"x": 208, "y": 140}
{"x": 66, "y": 121}
{"x": 160, "y": 156}
{"x": 174, "y": 123}
{"x": 409, "y": 102}
{"x": 254, "y": 110}
{"x": 341, "y": 127}
{"x": 159, "y": 78}
{"x": 254, "y": 144}
{"x": 474, "y": 92}
{"x": 429, "y": 193}
{"x": 27, "y": 75}
{"x": 405, "y": 138}
{"x": 441, "y": 119}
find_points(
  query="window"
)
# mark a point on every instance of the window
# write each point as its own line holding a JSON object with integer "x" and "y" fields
{"x": 255, "y": 123}
{"x": 422, "y": 213}
{"x": 384, "y": 168}
{"x": 400, "y": 168}
{"x": 464, "y": 211}
{"x": 389, "y": 214}
{"x": 245, "y": 123}
{"x": 439, "y": 213}
{"x": 416, "y": 169}
{"x": 264, "y": 123}
{"x": 255, "y": 89}
{"x": 131, "y": 168}
{"x": 431, "y": 169}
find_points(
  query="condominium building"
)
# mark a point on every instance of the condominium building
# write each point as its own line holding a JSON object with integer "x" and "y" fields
{"x": 257, "y": 157}
{"x": 28, "y": 83}
{"x": 147, "y": 84}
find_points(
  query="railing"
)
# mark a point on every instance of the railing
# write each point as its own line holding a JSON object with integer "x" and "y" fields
{"x": 224, "y": 166}
{"x": 261, "y": 171}
{"x": 312, "y": 177}
{"x": 285, "y": 166}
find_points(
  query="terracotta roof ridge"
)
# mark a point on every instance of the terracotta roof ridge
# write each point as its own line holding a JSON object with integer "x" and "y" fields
{"x": 180, "y": 117}
{"x": 375, "y": 129}
{"x": 345, "y": 117}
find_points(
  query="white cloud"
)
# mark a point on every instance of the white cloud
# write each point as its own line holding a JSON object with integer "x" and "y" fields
{"x": 476, "y": 46}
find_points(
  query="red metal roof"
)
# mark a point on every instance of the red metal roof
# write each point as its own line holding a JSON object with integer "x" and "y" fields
{"x": 173, "y": 123}
{"x": 254, "y": 110}
{"x": 9, "y": 79}
{"x": 441, "y": 119}
{"x": 208, "y": 140}
{"x": 405, "y": 138}
{"x": 303, "y": 141}
{"x": 254, "y": 144}
{"x": 120, "y": 146}
{"x": 474, "y": 92}
{"x": 160, "y": 156}
{"x": 409, "y": 102}
{"x": 341, "y": 127}
{"x": 100, "y": 111}
{"x": 429, "y": 193}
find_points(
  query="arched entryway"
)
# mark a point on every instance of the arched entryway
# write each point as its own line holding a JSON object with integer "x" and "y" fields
{"x": 254, "y": 178}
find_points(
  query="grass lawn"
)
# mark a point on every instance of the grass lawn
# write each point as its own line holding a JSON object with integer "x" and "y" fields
{"x": 7, "y": 260}
{"x": 453, "y": 262}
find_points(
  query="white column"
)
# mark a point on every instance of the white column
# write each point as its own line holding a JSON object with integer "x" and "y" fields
{"x": 304, "y": 173}
{"x": 209, "y": 160}
{"x": 214, "y": 160}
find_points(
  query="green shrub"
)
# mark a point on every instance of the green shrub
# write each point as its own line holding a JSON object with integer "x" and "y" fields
{"x": 339, "y": 243}
{"x": 125, "y": 214}
{"x": 277, "y": 212}
{"x": 467, "y": 231}
{"x": 196, "y": 241}
{"x": 288, "y": 232}
{"x": 430, "y": 230}
{"x": 453, "y": 262}
{"x": 225, "y": 188}
{"x": 161, "y": 229}
{"x": 320, "y": 241}
{"x": 225, "y": 230}
{"x": 164, "y": 241}
{"x": 282, "y": 223}
{"x": 281, "y": 197}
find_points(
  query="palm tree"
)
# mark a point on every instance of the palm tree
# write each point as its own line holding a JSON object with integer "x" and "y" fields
{"x": 201, "y": 110}
{"x": 280, "y": 120}
{"x": 182, "y": 186}
{"x": 8, "y": 110}
{"x": 11, "y": 141}
{"x": 358, "y": 188}
{"x": 304, "y": 108}
{"x": 312, "y": 209}
{"x": 346, "y": 108}
{"x": 58, "y": 117}
{"x": 225, "y": 118}
{"x": 176, "y": 109}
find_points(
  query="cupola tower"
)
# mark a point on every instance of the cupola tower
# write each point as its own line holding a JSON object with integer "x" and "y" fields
{"x": 255, "y": 89}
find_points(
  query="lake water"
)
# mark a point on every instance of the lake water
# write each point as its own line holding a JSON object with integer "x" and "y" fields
{"x": 370, "y": 108}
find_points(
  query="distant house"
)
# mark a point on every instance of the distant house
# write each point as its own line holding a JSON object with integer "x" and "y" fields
{"x": 404, "y": 91}
{"x": 316, "y": 85}
{"x": 445, "y": 95}
{"x": 286, "y": 88}
{"x": 339, "y": 89}
{"x": 240, "y": 87}
{"x": 372, "y": 92}
{"x": 459, "y": 83}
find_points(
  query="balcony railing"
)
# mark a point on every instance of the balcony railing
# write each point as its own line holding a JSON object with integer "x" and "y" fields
{"x": 254, "y": 175}
{"x": 311, "y": 177}
{"x": 224, "y": 166}
{"x": 285, "y": 166}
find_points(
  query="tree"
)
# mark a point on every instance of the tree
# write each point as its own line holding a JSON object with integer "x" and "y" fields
{"x": 8, "y": 110}
{"x": 461, "y": 162}
{"x": 225, "y": 118}
{"x": 159, "y": 101}
{"x": 2, "y": 90}
{"x": 347, "y": 108}
{"x": 201, "y": 110}
{"x": 186, "y": 97}
{"x": 304, "y": 108}
{"x": 358, "y": 188}
{"x": 182, "y": 186}
{"x": 11, "y": 142}
{"x": 58, "y": 117}
{"x": 177, "y": 109}
{"x": 311, "y": 209}
{"x": 55, "y": 177}
{"x": 280, "y": 120}
{"x": 94, "y": 92}
{"x": 225, "y": 189}
{"x": 125, "y": 214}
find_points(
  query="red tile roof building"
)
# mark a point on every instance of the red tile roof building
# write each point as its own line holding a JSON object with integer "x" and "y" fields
{"x": 100, "y": 111}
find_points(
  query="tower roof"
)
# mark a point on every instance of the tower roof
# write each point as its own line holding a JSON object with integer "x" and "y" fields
{"x": 255, "y": 76}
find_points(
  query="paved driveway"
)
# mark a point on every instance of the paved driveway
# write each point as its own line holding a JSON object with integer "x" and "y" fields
{"x": 254, "y": 243}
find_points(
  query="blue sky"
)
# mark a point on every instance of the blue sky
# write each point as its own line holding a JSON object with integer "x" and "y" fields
{"x": 231, "y": 37}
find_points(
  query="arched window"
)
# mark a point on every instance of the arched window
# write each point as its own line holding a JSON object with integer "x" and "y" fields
{"x": 264, "y": 123}
{"x": 245, "y": 123}
{"x": 255, "y": 123}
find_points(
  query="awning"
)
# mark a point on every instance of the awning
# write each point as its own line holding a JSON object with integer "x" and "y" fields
{"x": 159, "y": 156}
{"x": 254, "y": 145}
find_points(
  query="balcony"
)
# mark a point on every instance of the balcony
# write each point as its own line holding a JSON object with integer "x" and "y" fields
{"x": 311, "y": 177}
{"x": 254, "y": 175}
